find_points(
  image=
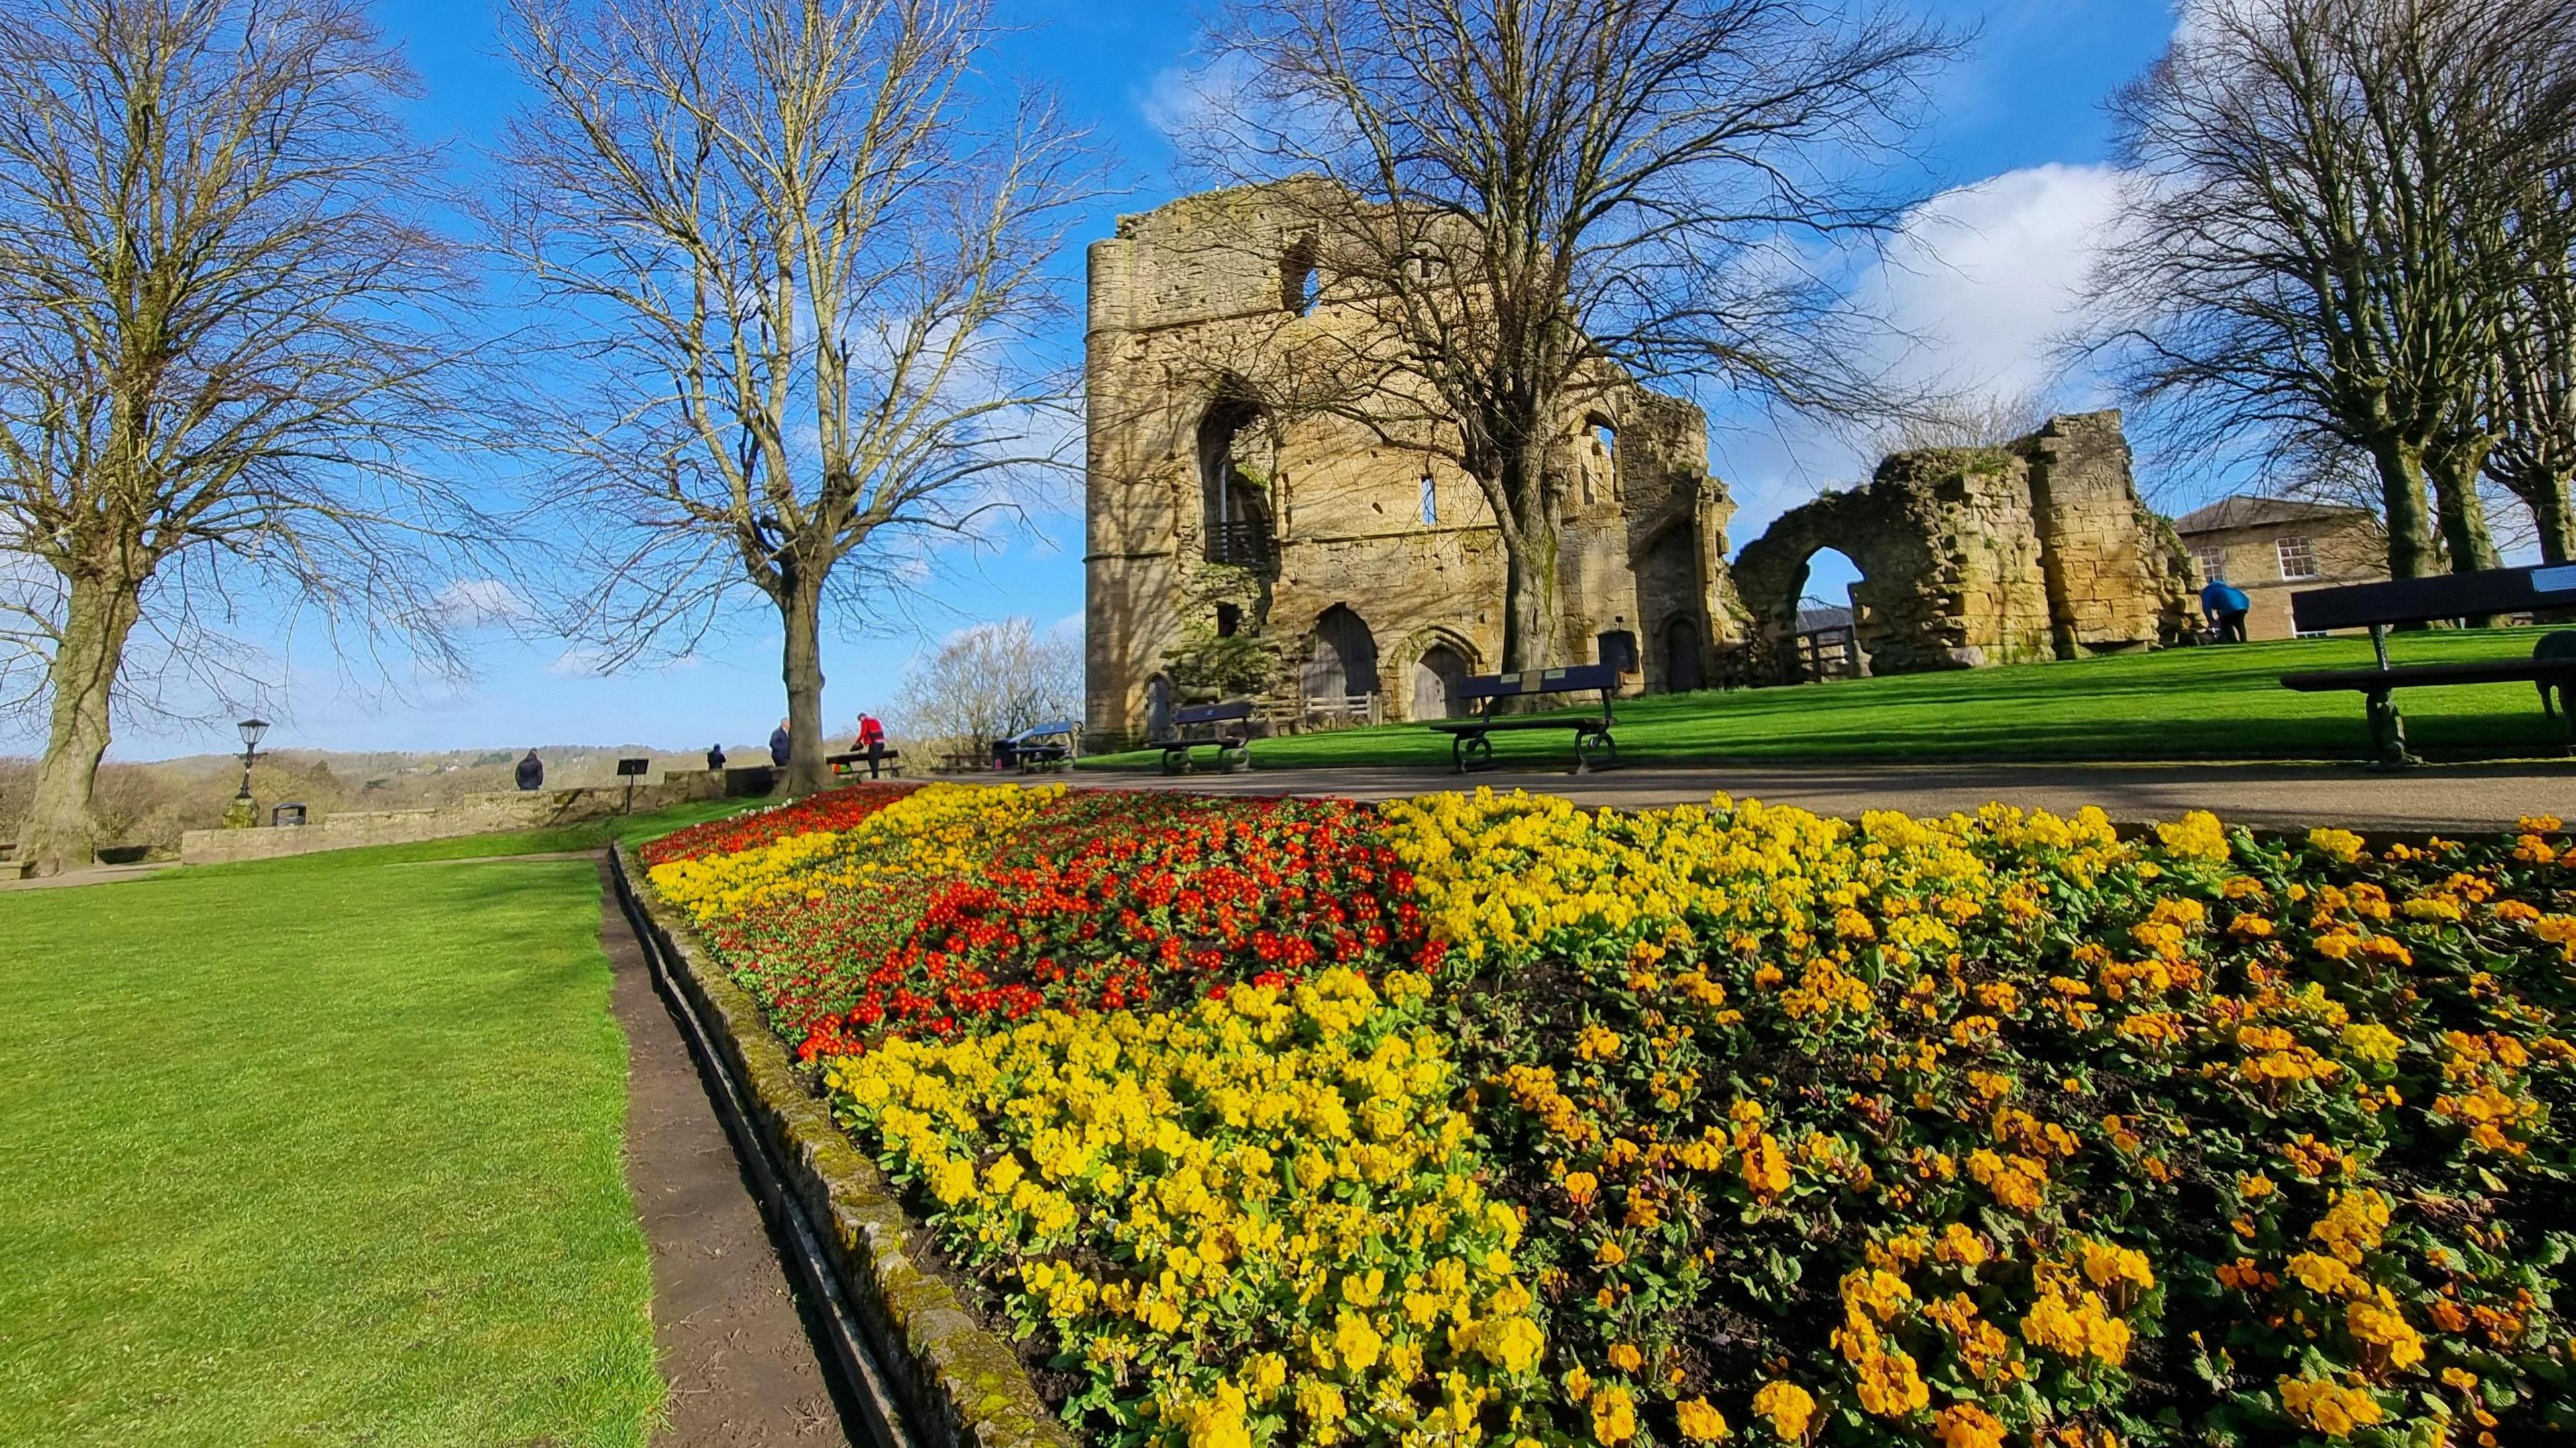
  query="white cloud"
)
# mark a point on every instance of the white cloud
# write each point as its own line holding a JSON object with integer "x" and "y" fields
{"x": 1184, "y": 100}
{"x": 1986, "y": 277}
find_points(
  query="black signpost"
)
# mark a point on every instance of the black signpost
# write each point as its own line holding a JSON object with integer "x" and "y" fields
{"x": 631, "y": 770}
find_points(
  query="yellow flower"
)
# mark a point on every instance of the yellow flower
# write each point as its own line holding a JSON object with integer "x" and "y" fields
{"x": 1614, "y": 1416}
{"x": 1965, "y": 1425}
{"x": 1625, "y": 1357}
{"x": 2329, "y": 1407}
{"x": 1788, "y": 1406}
{"x": 1700, "y": 1422}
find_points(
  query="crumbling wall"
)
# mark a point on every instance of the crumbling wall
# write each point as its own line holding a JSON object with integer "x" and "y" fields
{"x": 1974, "y": 556}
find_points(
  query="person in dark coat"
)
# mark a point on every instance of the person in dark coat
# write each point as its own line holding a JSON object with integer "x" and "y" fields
{"x": 2224, "y": 605}
{"x": 715, "y": 756}
{"x": 779, "y": 745}
{"x": 532, "y": 772}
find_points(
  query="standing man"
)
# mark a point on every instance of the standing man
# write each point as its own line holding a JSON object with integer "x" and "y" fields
{"x": 532, "y": 772}
{"x": 872, "y": 739}
{"x": 778, "y": 745}
{"x": 2224, "y": 604}
{"x": 715, "y": 756}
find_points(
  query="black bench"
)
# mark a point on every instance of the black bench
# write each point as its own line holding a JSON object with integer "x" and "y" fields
{"x": 851, "y": 764}
{"x": 2378, "y": 606}
{"x": 1043, "y": 746}
{"x": 1197, "y": 726}
{"x": 1471, "y": 745}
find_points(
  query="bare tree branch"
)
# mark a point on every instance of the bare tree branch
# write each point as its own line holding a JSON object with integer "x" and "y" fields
{"x": 802, "y": 258}
{"x": 225, "y": 351}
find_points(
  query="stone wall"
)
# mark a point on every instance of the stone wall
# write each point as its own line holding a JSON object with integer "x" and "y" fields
{"x": 1975, "y": 556}
{"x": 493, "y": 812}
{"x": 1294, "y": 546}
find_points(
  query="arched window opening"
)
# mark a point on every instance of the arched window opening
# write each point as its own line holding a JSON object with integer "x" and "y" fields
{"x": 1229, "y": 619}
{"x": 1599, "y": 462}
{"x": 1299, "y": 284}
{"x": 1237, "y": 458}
{"x": 1430, "y": 502}
{"x": 1437, "y": 676}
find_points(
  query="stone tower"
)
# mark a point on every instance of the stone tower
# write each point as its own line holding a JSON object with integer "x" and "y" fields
{"x": 1305, "y": 559}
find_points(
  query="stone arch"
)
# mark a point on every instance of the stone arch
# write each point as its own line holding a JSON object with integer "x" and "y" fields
{"x": 1342, "y": 661}
{"x": 1903, "y": 624}
{"x": 1238, "y": 457}
{"x": 1430, "y": 665}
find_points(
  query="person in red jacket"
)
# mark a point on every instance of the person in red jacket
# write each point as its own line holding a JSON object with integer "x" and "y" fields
{"x": 871, "y": 739}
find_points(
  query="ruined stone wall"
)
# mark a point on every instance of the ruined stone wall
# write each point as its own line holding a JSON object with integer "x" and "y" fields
{"x": 1184, "y": 468}
{"x": 1975, "y": 556}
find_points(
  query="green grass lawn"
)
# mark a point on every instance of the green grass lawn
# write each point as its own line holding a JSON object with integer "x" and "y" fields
{"x": 2178, "y": 704}
{"x": 321, "y": 1150}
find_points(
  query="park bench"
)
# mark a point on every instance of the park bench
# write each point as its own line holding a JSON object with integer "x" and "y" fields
{"x": 1197, "y": 726}
{"x": 2379, "y": 606}
{"x": 855, "y": 763}
{"x": 1043, "y": 746}
{"x": 1471, "y": 745}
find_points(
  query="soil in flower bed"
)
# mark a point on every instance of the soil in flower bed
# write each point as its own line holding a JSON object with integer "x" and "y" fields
{"x": 1488, "y": 1118}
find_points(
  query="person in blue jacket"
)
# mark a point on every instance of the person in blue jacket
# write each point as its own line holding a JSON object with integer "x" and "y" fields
{"x": 778, "y": 745}
{"x": 2223, "y": 604}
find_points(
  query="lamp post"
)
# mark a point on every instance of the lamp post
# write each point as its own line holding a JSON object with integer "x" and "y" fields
{"x": 244, "y": 813}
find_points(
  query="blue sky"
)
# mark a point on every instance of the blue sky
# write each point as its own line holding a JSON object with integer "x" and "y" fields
{"x": 1986, "y": 271}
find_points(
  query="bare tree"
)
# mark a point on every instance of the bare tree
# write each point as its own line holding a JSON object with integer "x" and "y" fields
{"x": 988, "y": 682}
{"x": 221, "y": 346}
{"x": 1532, "y": 203}
{"x": 2532, "y": 395}
{"x": 800, "y": 267}
{"x": 2309, "y": 249}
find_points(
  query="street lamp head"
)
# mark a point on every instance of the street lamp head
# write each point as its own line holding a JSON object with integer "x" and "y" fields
{"x": 251, "y": 731}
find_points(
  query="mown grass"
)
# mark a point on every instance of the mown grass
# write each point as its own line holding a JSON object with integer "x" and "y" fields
{"x": 2211, "y": 703}
{"x": 321, "y": 1150}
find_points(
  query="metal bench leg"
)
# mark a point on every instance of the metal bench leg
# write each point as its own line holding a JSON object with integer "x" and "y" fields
{"x": 2387, "y": 730}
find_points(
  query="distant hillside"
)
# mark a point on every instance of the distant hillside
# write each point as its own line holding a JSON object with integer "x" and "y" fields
{"x": 151, "y": 804}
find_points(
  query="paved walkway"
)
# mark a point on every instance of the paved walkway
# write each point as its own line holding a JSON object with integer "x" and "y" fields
{"x": 89, "y": 875}
{"x": 2454, "y": 798}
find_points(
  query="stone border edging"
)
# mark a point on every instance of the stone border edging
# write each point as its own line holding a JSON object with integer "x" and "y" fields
{"x": 958, "y": 1385}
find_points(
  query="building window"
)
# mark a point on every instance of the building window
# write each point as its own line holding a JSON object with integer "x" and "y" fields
{"x": 2212, "y": 563}
{"x": 1298, "y": 284}
{"x": 1430, "y": 502}
{"x": 2298, "y": 557}
{"x": 1618, "y": 649}
{"x": 1229, "y": 618}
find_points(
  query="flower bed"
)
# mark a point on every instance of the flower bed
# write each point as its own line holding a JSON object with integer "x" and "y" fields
{"x": 1489, "y": 1118}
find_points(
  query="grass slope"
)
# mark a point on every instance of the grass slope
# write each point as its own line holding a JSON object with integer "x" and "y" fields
{"x": 321, "y": 1150}
{"x": 2176, "y": 704}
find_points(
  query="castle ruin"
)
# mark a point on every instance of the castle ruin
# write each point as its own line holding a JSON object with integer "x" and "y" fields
{"x": 1301, "y": 557}
{"x": 1306, "y": 560}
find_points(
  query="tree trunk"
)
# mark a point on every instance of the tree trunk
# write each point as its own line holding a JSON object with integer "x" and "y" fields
{"x": 1529, "y": 537}
{"x": 2545, "y": 494}
{"x": 60, "y": 832}
{"x": 2454, "y": 472}
{"x": 2401, "y": 495}
{"x": 800, "y": 607}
